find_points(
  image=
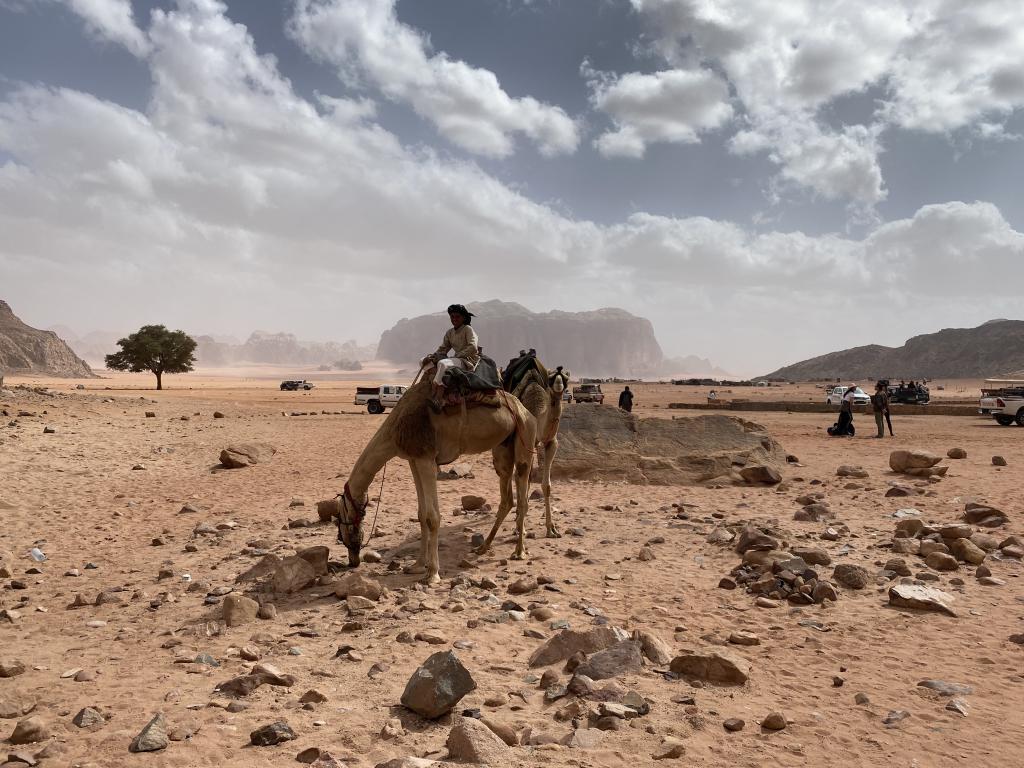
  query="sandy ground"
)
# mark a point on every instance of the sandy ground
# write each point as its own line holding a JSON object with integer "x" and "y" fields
{"x": 75, "y": 495}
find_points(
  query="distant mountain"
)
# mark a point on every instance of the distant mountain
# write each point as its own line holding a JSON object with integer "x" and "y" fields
{"x": 28, "y": 350}
{"x": 278, "y": 349}
{"x": 990, "y": 350}
{"x": 690, "y": 366}
{"x": 602, "y": 342}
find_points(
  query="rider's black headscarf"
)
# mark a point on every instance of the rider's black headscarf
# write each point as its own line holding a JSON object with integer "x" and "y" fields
{"x": 460, "y": 309}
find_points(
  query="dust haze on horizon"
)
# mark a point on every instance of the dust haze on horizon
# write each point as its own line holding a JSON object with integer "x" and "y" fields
{"x": 764, "y": 186}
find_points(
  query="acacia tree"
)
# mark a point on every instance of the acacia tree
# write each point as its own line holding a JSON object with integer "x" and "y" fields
{"x": 154, "y": 348}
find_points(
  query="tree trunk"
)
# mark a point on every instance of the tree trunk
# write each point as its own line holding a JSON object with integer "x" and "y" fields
{"x": 159, "y": 382}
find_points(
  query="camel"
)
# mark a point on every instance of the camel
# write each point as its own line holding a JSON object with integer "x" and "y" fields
{"x": 541, "y": 394}
{"x": 426, "y": 440}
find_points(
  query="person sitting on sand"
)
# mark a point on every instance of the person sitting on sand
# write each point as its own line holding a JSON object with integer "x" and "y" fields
{"x": 460, "y": 348}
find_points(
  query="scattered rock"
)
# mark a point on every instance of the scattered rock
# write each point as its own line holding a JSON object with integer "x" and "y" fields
{"x": 153, "y": 737}
{"x": 776, "y": 721}
{"x": 569, "y": 642}
{"x": 734, "y": 724}
{"x": 998, "y": 461}
{"x": 850, "y": 576}
{"x": 317, "y": 557}
{"x": 239, "y": 609}
{"x": 437, "y": 685}
{"x": 968, "y": 551}
{"x": 956, "y": 453}
{"x": 653, "y": 647}
{"x": 238, "y": 455}
{"x": 11, "y": 667}
{"x": 621, "y": 659}
{"x": 940, "y": 561}
{"x": 848, "y": 470}
{"x": 943, "y": 688}
{"x": 472, "y": 503}
{"x": 88, "y": 717}
{"x": 269, "y": 735}
{"x": 984, "y": 515}
{"x": 753, "y": 538}
{"x": 744, "y": 638}
{"x": 721, "y": 667}
{"x": 760, "y": 473}
{"x": 30, "y": 730}
{"x": 353, "y": 583}
{"x": 523, "y": 586}
{"x": 901, "y": 461}
{"x": 921, "y": 598}
{"x": 293, "y": 574}
{"x": 472, "y": 741}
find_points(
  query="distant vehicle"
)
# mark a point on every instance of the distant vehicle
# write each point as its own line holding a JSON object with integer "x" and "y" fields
{"x": 1003, "y": 400}
{"x": 292, "y": 386}
{"x": 588, "y": 393}
{"x": 567, "y": 395}
{"x": 904, "y": 394}
{"x": 835, "y": 396}
{"x": 379, "y": 399}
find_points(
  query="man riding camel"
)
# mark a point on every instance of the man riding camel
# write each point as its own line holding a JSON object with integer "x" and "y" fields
{"x": 459, "y": 349}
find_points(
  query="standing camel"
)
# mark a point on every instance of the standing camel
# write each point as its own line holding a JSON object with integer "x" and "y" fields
{"x": 426, "y": 440}
{"x": 541, "y": 394}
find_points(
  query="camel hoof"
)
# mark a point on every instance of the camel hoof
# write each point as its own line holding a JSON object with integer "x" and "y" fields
{"x": 520, "y": 555}
{"x": 554, "y": 533}
{"x": 414, "y": 568}
{"x": 483, "y": 549}
{"x": 432, "y": 579}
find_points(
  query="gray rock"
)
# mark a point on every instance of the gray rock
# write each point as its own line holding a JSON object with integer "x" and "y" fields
{"x": 292, "y": 575}
{"x": 957, "y": 705}
{"x": 88, "y": 717}
{"x": 849, "y": 470}
{"x": 240, "y": 455}
{"x": 569, "y": 642}
{"x": 943, "y": 688}
{"x": 621, "y": 659}
{"x": 11, "y": 667}
{"x": 153, "y": 737}
{"x": 753, "y": 538}
{"x": 437, "y": 685}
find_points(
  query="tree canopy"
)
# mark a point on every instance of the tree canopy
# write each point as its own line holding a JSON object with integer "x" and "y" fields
{"x": 156, "y": 349}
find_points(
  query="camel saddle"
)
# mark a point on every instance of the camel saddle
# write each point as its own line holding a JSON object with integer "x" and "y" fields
{"x": 474, "y": 388}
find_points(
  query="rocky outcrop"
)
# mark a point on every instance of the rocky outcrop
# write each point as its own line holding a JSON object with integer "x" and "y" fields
{"x": 599, "y": 443}
{"x": 993, "y": 349}
{"x": 27, "y": 350}
{"x": 604, "y": 342}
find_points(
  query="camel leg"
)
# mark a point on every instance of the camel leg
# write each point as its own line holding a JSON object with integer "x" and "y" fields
{"x": 430, "y": 519}
{"x": 420, "y": 565}
{"x": 522, "y": 477}
{"x": 545, "y": 485}
{"x": 503, "y": 466}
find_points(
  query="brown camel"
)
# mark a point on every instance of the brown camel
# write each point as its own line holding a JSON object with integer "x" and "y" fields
{"x": 426, "y": 440}
{"x": 541, "y": 393}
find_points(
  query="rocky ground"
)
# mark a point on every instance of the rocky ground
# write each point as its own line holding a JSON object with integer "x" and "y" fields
{"x": 717, "y": 625}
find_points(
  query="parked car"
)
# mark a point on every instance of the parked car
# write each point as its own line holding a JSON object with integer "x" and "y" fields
{"x": 379, "y": 399}
{"x": 588, "y": 393}
{"x": 292, "y": 386}
{"x": 836, "y": 394}
{"x": 1003, "y": 401}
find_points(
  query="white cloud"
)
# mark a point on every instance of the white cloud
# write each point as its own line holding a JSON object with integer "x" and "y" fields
{"x": 670, "y": 106}
{"x": 467, "y": 104}
{"x": 112, "y": 20}
{"x": 940, "y": 66}
{"x": 232, "y": 203}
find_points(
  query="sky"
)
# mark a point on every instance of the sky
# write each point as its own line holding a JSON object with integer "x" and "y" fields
{"x": 764, "y": 181}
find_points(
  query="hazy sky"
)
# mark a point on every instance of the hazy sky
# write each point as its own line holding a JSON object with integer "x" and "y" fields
{"x": 764, "y": 180}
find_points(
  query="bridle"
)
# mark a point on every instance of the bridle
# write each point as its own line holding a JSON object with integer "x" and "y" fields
{"x": 357, "y": 519}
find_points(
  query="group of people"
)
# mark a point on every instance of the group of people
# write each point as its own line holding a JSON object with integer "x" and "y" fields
{"x": 879, "y": 406}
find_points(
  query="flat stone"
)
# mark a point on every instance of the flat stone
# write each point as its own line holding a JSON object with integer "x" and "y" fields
{"x": 569, "y": 642}
{"x": 353, "y": 583}
{"x": 744, "y": 638}
{"x": 11, "y": 667}
{"x": 620, "y": 659}
{"x": 720, "y": 667}
{"x": 921, "y": 598}
{"x": 943, "y": 688}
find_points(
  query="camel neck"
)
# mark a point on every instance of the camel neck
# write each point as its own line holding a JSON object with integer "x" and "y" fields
{"x": 375, "y": 455}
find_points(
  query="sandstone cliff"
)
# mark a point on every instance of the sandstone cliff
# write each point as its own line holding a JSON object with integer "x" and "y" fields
{"x": 993, "y": 349}
{"x": 604, "y": 342}
{"x": 24, "y": 349}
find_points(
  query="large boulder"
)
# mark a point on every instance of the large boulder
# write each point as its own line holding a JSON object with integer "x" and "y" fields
{"x": 610, "y": 444}
{"x": 437, "y": 685}
{"x": 238, "y": 455}
{"x": 901, "y": 461}
{"x": 239, "y": 610}
{"x": 473, "y": 742}
{"x": 984, "y": 515}
{"x": 921, "y": 598}
{"x": 753, "y": 538}
{"x": 354, "y": 583}
{"x": 153, "y": 737}
{"x": 292, "y": 574}
{"x": 568, "y": 643}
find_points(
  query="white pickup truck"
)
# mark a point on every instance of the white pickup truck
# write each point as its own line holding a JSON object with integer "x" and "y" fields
{"x": 1003, "y": 400}
{"x": 379, "y": 399}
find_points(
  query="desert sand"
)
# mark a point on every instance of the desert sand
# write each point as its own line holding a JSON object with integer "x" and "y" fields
{"x": 108, "y": 528}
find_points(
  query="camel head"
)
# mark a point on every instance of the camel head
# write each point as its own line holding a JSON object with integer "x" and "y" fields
{"x": 559, "y": 380}
{"x": 350, "y": 524}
